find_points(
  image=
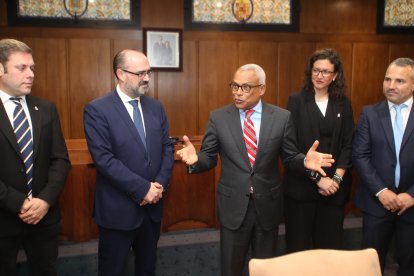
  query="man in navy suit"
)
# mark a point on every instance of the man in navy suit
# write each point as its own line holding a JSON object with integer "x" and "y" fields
{"x": 31, "y": 176}
{"x": 127, "y": 135}
{"x": 386, "y": 191}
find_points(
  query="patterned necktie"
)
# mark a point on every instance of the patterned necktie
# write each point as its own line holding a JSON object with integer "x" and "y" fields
{"x": 398, "y": 130}
{"x": 24, "y": 140}
{"x": 250, "y": 136}
{"x": 138, "y": 121}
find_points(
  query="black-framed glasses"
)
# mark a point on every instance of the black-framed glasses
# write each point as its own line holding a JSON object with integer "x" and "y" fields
{"x": 140, "y": 74}
{"x": 325, "y": 73}
{"x": 244, "y": 87}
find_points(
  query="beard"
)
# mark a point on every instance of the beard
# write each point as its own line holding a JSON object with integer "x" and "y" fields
{"x": 136, "y": 91}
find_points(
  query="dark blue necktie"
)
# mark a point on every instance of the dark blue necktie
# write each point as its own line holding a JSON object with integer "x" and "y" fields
{"x": 24, "y": 140}
{"x": 398, "y": 130}
{"x": 138, "y": 121}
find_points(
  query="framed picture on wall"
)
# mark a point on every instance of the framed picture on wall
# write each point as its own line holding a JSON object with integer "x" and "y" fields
{"x": 395, "y": 16}
{"x": 163, "y": 48}
{"x": 80, "y": 13}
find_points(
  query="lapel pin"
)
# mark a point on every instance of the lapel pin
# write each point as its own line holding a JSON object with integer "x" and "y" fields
{"x": 36, "y": 108}
{"x": 339, "y": 115}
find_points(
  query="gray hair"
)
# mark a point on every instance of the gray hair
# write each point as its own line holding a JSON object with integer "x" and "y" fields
{"x": 403, "y": 62}
{"x": 260, "y": 73}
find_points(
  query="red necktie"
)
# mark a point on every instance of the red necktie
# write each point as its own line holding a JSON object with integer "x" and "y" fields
{"x": 250, "y": 136}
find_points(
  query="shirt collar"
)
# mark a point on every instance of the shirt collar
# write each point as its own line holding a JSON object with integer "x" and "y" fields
{"x": 257, "y": 108}
{"x": 408, "y": 103}
{"x": 6, "y": 97}
{"x": 124, "y": 97}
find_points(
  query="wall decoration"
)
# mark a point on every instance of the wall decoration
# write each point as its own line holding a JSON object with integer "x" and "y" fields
{"x": 163, "y": 48}
{"x": 239, "y": 15}
{"x": 395, "y": 16}
{"x": 74, "y": 13}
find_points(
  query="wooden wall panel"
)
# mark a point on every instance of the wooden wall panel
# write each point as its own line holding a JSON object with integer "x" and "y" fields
{"x": 3, "y": 13}
{"x": 327, "y": 16}
{"x": 292, "y": 62}
{"x": 50, "y": 75}
{"x": 369, "y": 64}
{"x": 162, "y": 13}
{"x": 344, "y": 50}
{"x": 401, "y": 50}
{"x": 89, "y": 77}
{"x": 218, "y": 61}
{"x": 190, "y": 200}
{"x": 265, "y": 55}
{"x": 177, "y": 91}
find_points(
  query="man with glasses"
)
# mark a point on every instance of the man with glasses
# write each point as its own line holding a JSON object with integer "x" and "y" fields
{"x": 249, "y": 135}
{"x": 127, "y": 135}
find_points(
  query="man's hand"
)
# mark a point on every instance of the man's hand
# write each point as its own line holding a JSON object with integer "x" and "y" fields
{"x": 390, "y": 200}
{"x": 33, "y": 210}
{"x": 188, "y": 153}
{"x": 406, "y": 201}
{"x": 154, "y": 194}
{"x": 327, "y": 186}
{"x": 315, "y": 160}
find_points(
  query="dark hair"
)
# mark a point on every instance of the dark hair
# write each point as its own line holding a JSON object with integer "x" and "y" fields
{"x": 10, "y": 46}
{"x": 119, "y": 61}
{"x": 337, "y": 87}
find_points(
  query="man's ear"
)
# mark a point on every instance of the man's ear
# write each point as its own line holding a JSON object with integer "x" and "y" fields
{"x": 1, "y": 69}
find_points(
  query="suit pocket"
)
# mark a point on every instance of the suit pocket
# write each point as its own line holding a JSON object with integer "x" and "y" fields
{"x": 223, "y": 190}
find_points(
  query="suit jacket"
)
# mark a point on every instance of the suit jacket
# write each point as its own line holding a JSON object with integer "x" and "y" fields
{"x": 305, "y": 115}
{"x": 224, "y": 136}
{"x": 374, "y": 158}
{"x": 124, "y": 167}
{"x": 51, "y": 165}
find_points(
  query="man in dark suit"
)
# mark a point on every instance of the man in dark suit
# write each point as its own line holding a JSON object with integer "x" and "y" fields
{"x": 134, "y": 158}
{"x": 249, "y": 136}
{"x": 386, "y": 191}
{"x": 33, "y": 166}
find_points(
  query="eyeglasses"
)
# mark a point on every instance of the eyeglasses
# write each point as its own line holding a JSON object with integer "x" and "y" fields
{"x": 325, "y": 73}
{"x": 244, "y": 87}
{"x": 140, "y": 74}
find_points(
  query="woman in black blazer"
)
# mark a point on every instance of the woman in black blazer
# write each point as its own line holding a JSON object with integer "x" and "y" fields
{"x": 314, "y": 205}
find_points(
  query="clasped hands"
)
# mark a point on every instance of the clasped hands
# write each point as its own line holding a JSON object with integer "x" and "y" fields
{"x": 396, "y": 202}
{"x": 154, "y": 194}
{"x": 33, "y": 210}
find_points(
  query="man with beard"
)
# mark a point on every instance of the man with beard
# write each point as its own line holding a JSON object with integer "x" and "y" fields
{"x": 127, "y": 135}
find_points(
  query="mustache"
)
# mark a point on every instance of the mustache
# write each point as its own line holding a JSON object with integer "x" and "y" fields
{"x": 143, "y": 82}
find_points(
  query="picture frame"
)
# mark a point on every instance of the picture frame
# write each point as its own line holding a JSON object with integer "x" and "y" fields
{"x": 163, "y": 48}
{"x": 65, "y": 17}
{"x": 392, "y": 23}
{"x": 242, "y": 25}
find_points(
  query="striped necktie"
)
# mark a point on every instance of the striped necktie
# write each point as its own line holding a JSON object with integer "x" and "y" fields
{"x": 24, "y": 140}
{"x": 250, "y": 136}
{"x": 136, "y": 114}
{"x": 398, "y": 130}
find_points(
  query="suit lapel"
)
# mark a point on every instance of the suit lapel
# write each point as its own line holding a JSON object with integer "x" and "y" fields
{"x": 7, "y": 129}
{"x": 337, "y": 108}
{"x": 408, "y": 129}
{"x": 123, "y": 113}
{"x": 313, "y": 115}
{"x": 36, "y": 119}
{"x": 265, "y": 130}
{"x": 385, "y": 119}
{"x": 237, "y": 132}
{"x": 147, "y": 118}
